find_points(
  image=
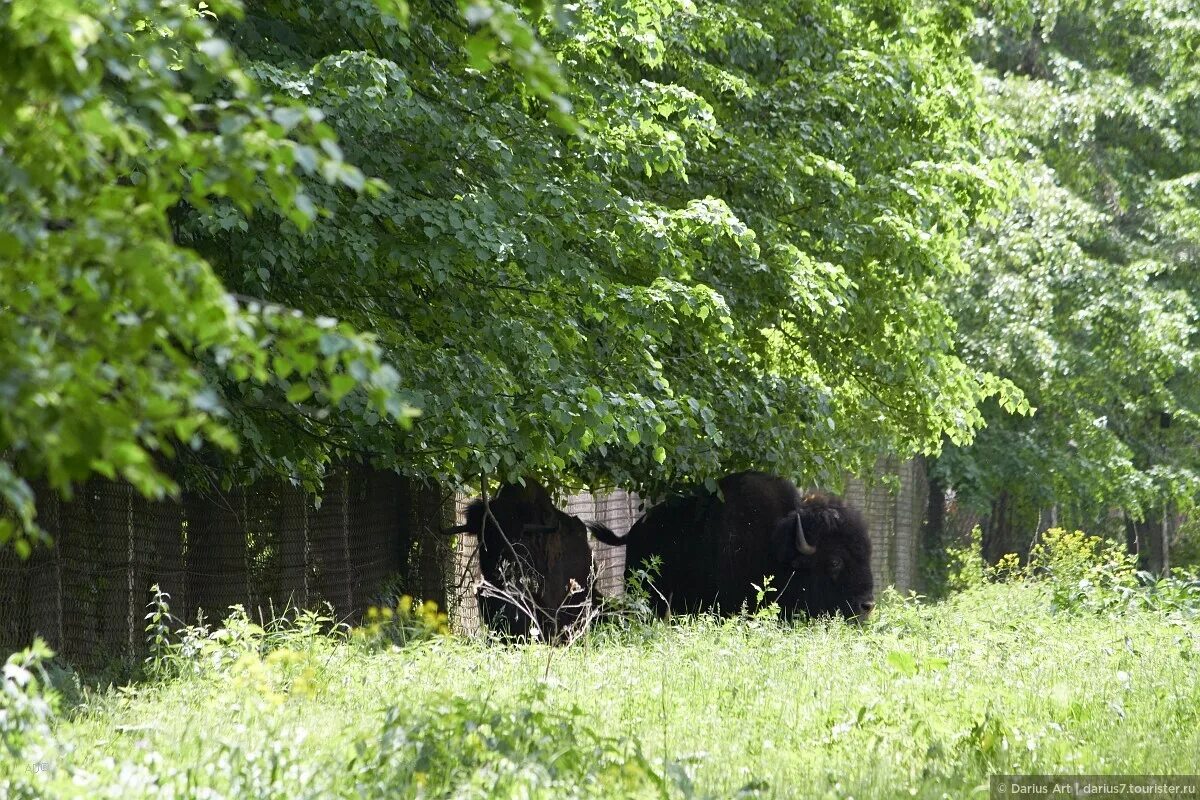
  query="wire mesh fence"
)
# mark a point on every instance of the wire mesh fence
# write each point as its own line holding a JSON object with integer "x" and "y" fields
{"x": 893, "y": 501}
{"x": 371, "y": 536}
{"x": 894, "y": 511}
{"x": 267, "y": 548}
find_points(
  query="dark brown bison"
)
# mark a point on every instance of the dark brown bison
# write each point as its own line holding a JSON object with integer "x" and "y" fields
{"x": 713, "y": 551}
{"x": 535, "y": 561}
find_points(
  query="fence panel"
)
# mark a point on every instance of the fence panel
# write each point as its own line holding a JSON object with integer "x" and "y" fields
{"x": 216, "y": 553}
{"x": 268, "y": 547}
{"x": 166, "y": 531}
{"x": 894, "y": 516}
{"x": 618, "y": 510}
{"x": 377, "y": 518}
{"x": 271, "y": 547}
{"x": 295, "y": 555}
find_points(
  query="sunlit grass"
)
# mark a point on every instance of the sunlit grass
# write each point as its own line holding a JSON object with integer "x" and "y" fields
{"x": 925, "y": 701}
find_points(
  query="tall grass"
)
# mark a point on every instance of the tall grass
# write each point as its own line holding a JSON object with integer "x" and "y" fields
{"x": 925, "y": 701}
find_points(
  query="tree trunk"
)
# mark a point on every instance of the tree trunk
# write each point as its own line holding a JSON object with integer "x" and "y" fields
{"x": 1150, "y": 540}
{"x": 1031, "y": 59}
{"x": 997, "y": 534}
{"x": 1165, "y": 543}
{"x": 933, "y": 531}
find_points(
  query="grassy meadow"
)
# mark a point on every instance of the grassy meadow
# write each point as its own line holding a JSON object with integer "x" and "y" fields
{"x": 926, "y": 700}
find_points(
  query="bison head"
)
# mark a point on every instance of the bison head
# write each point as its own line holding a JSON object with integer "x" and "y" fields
{"x": 825, "y": 545}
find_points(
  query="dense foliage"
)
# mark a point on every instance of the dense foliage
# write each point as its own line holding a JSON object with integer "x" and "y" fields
{"x": 633, "y": 243}
{"x": 617, "y": 242}
{"x": 734, "y": 263}
{"x": 113, "y": 338}
{"x": 1085, "y": 292}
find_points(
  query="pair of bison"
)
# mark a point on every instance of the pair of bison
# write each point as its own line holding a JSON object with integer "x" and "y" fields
{"x": 537, "y": 566}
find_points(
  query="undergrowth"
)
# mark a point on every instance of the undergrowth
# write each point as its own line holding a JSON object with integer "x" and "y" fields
{"x": 1073, "y": 662}
{"x": 1082, "y": 573}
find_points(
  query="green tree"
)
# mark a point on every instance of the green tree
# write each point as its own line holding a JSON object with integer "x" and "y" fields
{"x": 115, "y": 340}
{"x": 637, "y": 243}
{"x": 735, "y": 260}
{"x": 1084, "y": 292}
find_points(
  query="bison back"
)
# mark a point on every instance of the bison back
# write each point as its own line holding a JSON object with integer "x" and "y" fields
{"x": 677, "y": 532}
{"x": 714, "y": 551}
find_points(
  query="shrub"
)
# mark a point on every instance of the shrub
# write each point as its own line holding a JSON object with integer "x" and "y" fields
{"x": 28, "y": 703}
{"x": 1069, "y": 556}
{"x": 198, "y": 649}
{"x": 967, "y": 569}
{"x": 456, "y": 747}
{"x": 1083, "y": 572}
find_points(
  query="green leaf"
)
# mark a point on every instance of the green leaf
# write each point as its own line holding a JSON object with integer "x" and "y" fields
{"x": 339, "y": 386}
{"x": 304, "y": 206}
{"x": 480, "y": 48}
{"x": 298, "y": 392}
{"x": 288, "y": 116}
{"x": 902, "y": 662}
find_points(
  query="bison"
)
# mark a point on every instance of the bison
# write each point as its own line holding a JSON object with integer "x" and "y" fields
{"x": 535, "y": 561}
{"x": 713, "y": 551}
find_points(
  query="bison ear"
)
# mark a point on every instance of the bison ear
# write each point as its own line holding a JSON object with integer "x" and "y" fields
{"x": 785, "y": 544}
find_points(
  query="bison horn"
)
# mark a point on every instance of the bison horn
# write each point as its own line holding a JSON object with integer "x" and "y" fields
{"x": 802, "y": 544}
{"x": 457, "y": 529}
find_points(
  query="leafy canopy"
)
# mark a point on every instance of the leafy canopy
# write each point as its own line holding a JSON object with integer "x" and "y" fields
{"x": 636, "y": 243}
{"x": 1084, "y": 293}
{"x": 734, "y": 261}
{"x": 113, "y": 338}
